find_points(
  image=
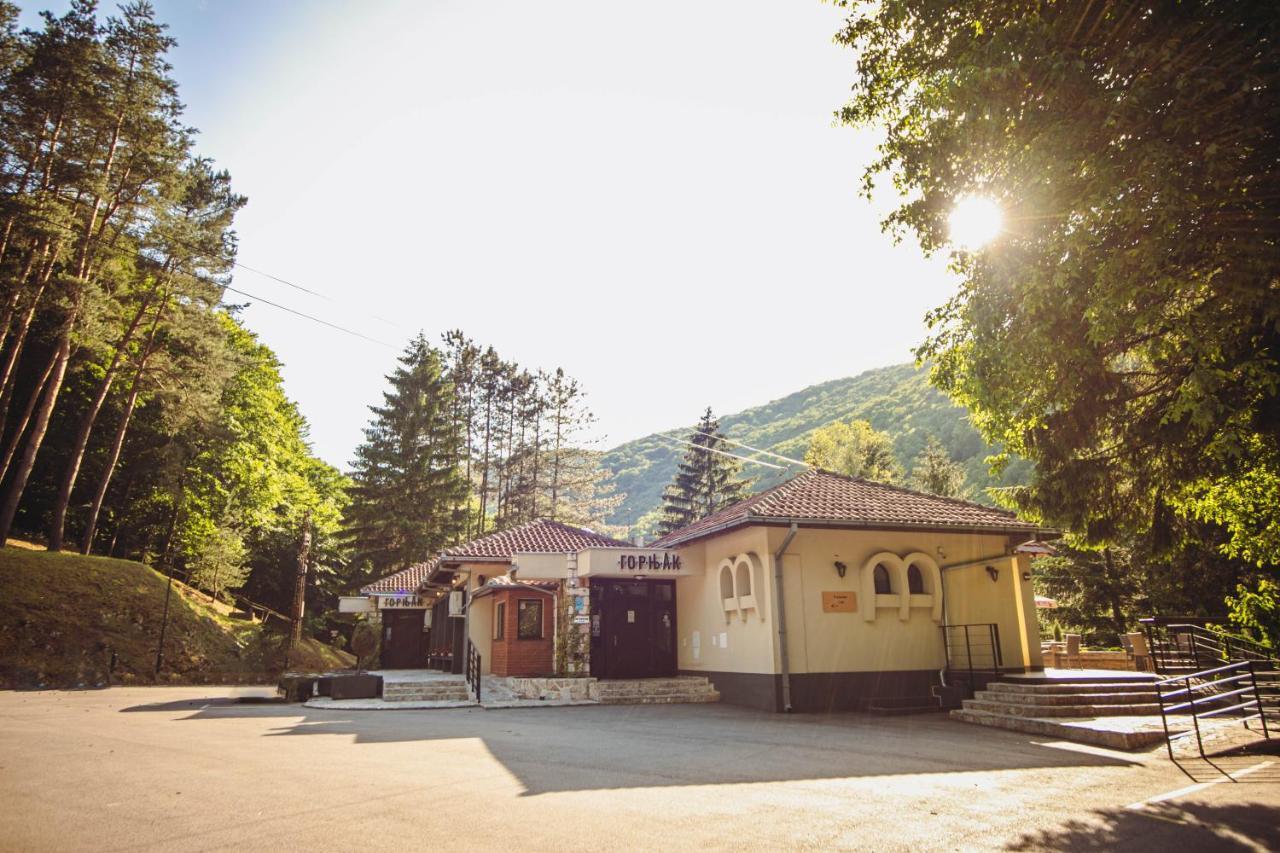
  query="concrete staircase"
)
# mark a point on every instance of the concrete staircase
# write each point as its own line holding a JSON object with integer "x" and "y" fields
{"x": 436, "y": 690}
{"x": 656, "y": 691}
{"x": 1071, "y": 709}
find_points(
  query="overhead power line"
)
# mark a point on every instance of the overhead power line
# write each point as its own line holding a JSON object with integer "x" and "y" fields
{"x": 312, "y": 318}
{"x": 722, "y": 452}
{"x": 308, "y": 291}
{"x": 754, "y": 449}
{"x": 294, "y": 311}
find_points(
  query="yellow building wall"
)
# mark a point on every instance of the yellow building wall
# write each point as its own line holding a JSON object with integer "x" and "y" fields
{"x": 820, "y": 641}
{"x": 708, "y": 638}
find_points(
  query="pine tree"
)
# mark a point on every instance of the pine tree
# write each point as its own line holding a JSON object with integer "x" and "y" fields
{"x": 936, "y": 473}
{"x": 409, "y": 488}
{"x": 706, "y": 481}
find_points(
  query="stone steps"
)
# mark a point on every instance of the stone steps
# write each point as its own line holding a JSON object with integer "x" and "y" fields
{"x": 1027, "y": 710}
{"x": 1070, "y": 710}
{"x": 656, "y": 691}
{"x": 1064, "y": 730}
{"x": 1074, "y": 687}
{"x": 1061, "y": 698}
{"x": 410, "y": 692}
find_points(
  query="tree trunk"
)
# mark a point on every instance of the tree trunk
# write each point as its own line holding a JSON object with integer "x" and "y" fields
{"x": 8, "y": 370}
{"x": 15, "y": 440}
{"x": 113, "y": 458}
{"x": 58, "y": 517}
{"x": 45, "y": 410}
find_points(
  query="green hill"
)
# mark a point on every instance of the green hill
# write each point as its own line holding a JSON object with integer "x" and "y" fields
{"x": 896, "y": 399}
{"x": 63, "y": 616}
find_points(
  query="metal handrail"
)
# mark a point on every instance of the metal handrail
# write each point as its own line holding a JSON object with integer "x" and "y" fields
{"x": 1209, "y": 683}
{"x": 473, "y": 669}
{"x": 980, "y": 637}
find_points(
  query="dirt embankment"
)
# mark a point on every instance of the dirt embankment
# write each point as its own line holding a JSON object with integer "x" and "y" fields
{"x": 72, "y": 621}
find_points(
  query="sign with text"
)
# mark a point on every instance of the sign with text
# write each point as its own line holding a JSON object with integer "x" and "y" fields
{"x": 394, "y": 602}
{"x": 632, "y": 562}
{"x": 663, "y": 561}
{"x": 839, "y": 602}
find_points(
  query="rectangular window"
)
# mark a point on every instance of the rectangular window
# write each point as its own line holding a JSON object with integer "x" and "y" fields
{"x": 500, "y": 620}
{"x": 529, "y": 616}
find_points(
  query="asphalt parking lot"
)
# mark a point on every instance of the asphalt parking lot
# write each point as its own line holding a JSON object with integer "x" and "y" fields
{"x": 190, "y": 769}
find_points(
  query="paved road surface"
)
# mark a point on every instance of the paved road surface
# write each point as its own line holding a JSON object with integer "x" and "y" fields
{"x": 187, "y": 769}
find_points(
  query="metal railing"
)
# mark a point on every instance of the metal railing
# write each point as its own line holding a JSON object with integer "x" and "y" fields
{"x": 1231, "y": 690}
{"x": 473, "y": 669}
{"x": 1187, "y": 644}
{"x": 972, "y": 648}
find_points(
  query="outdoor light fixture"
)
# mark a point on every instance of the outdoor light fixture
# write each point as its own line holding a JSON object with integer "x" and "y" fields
{"x": 841, "y": 568}
{"x": 994, "y": 573}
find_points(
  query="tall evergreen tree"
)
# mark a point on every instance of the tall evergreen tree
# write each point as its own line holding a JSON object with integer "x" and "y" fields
{"x": 706, "y": 481}
{"x": 409, "y": 488}
{"x": 936, "y": 473}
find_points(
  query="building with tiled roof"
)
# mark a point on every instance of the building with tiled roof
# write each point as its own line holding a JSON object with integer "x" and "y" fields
{"x": 823, "y": 498}
{"x": 882, "y": 589}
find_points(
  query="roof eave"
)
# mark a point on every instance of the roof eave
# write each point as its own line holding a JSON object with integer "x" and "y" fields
{"x": 1023, "y": 528}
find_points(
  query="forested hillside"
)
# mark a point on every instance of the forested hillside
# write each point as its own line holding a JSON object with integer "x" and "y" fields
{"x": 896, "y": 399}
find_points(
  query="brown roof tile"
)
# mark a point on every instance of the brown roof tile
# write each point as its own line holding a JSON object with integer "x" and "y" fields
{"x": 536, "y": 537}
{"x": 404, "y": 581}
{"x": 825, "y": 497}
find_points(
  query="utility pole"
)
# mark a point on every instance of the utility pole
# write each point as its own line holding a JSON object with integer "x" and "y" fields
{"x": 300, "y": 588}
{"x": 168, "y": 567}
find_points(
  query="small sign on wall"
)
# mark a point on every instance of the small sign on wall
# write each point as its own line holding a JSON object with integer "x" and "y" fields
{"x": 839, "y": 602}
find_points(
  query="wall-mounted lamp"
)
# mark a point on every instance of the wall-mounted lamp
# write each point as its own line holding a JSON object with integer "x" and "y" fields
{"x": 994, "y": 573}
{"x": 841, "y": 568}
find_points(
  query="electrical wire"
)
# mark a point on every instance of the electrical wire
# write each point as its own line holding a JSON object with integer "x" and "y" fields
{"x": 754, "y": 449}
{"x": 311, "y": 318}
{"x": 721, "y": 452}
{"x": 294, "y": 311}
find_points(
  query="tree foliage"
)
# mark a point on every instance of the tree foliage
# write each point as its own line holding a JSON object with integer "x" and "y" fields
{"x": 1123, "y": 331}
{"x": 855, "y": 449}
{"x": 410, "y": 497}
{"x": 707, "y": 480}
{"x": 137, "y": 416}
{"x": 936, "y": 473}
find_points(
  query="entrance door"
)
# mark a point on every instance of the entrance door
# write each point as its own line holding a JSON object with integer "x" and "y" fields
{"x": 403, "y": 640}
{"x": 637, "y": 629}
{"x": 628, "y": 639}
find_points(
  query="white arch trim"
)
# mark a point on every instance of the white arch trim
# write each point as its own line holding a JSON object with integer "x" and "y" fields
{"x": 897, "y": 581}
{"x": 748, "y": 565}
{"x": 931, "y": 574}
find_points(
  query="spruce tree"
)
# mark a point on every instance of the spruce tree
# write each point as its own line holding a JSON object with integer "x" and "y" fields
{"x": 409, "y": 488}
{"x": 706, "y": 481}
{"x": 936, "y": 473}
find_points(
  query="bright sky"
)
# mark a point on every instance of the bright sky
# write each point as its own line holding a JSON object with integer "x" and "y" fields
{"x": 651, "y": 196}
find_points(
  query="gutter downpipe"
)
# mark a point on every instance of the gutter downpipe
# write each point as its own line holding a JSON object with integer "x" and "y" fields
{"x": 784, "y": 661}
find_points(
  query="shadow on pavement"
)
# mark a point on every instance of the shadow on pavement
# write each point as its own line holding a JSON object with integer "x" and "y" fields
{"x": 593, "y": 747}
{"x": 1190, "y": 826}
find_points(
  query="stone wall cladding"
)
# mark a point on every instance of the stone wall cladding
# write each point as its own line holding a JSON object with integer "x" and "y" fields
{"x": 563, "y": 689}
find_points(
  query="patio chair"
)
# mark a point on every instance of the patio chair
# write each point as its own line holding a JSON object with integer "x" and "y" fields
{"x": 1136, "y": 645}
{"x": 1073, "y": 651}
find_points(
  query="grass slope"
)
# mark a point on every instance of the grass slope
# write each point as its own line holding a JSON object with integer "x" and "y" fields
{"x": 63, "y": 615}
{"x": 896, "y": 399}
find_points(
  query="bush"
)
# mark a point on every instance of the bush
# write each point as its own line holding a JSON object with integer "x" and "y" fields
{"x": 364, "y": 643}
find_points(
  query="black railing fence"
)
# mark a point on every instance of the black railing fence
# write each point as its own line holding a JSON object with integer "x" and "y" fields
{"x": 1227, "y": 693}
{"x": 972, "y": 649}
{"x": 473, "y": 670}
{"x": 1189, "y": 644}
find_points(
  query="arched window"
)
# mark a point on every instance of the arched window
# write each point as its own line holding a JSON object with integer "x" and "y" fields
{"x": 915, "y": 581}
{"x": 881, "y": 576}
